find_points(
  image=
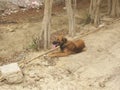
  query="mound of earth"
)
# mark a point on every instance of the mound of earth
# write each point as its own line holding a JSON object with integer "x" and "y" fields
{"x": 97, "y": 68}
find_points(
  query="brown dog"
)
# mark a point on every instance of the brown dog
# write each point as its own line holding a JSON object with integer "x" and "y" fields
{"x": 67, "y": 47}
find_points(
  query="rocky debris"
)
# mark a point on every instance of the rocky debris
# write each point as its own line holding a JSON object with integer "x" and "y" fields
{"x": 30, "y": 3}
{"x": 12, "y": 6}
{"x": 7, "y": 8}
{"x": 12, "y": 73}
{"x": 32, "y": 74}
{"x": 48, "y": 61}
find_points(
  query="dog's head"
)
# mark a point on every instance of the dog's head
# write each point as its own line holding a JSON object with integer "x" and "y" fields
{"x": 60, "y": 40}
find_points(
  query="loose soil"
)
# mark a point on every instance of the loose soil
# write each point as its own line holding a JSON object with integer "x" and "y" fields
{"x": 97, "y": 68}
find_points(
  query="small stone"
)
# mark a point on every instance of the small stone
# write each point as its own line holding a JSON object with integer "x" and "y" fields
{"x": 11, "y": 30}
{"x": 32, "y": 75}
{"x": 102, "y": 84}
{"x": 64, "y": 8}
{"x": 37, "y": 78}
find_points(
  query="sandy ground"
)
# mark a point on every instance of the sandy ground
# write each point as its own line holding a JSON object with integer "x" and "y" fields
{"x": 16, "y": 38}
{"x": 97, "y": 68}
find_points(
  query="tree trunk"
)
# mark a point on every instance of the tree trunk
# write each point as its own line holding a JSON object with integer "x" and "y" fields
{"x": 109, "y": 6}
{"x": 94, "y": 12}
{"x": 71, "y": 8}
{"x": 46, "y": 24}
{"x": 114, "y": 8}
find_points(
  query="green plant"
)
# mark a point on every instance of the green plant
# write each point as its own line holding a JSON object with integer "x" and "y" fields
{"x": 37, "y": 43}
{"x": 87, "y": 19}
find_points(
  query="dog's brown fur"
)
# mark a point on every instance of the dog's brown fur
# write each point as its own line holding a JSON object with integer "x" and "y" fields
{"x": 67, "y": 47}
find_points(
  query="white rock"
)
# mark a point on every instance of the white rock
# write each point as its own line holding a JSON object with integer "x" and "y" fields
{"x": 12, "y": 73}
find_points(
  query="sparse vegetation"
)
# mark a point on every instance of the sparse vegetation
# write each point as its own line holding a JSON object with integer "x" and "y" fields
{"x": 86, "y": 19}
{"x": 37, "y": 43}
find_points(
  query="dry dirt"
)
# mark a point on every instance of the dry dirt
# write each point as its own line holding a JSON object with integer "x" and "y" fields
{"x": 17, "y": 30}
{"x": 97, "y": 68}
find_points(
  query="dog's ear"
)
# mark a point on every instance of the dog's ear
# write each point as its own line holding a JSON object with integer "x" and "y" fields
{"x": 64, "y": 40}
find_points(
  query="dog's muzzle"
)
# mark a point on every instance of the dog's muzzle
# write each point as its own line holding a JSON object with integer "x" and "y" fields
{"x": 56, "y": 43}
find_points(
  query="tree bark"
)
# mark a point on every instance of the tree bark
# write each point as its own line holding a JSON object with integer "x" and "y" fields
{"x": 109, "y": 6}
{"x": 114, "y": 8}
{"x": 71, "y": 8}
{"x": 94, "y": 12}
{"x": 46, "y": 24}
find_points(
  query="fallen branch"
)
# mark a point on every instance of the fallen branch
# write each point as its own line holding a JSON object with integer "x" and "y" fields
{"x": 21, "y": 63}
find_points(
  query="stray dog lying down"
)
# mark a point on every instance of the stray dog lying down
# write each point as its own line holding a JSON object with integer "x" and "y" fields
{"x": 67, "y": 47}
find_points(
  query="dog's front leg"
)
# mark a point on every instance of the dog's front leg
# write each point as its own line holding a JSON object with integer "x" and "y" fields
{"x": 59, "y": 54}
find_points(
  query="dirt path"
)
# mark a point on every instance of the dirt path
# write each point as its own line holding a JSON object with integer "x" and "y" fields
{"x": 97, "y": 68}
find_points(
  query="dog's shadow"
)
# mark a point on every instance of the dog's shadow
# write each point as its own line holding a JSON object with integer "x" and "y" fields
{"x": 52, "y": 61}
{"x": 48, "y": 61}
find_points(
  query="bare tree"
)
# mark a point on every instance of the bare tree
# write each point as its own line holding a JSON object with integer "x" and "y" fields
{"x": 114, "y": 8}
{"x": 71, "y": 7}
{"x": 46, "y": 24}
{"x": 94, "y": 11}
